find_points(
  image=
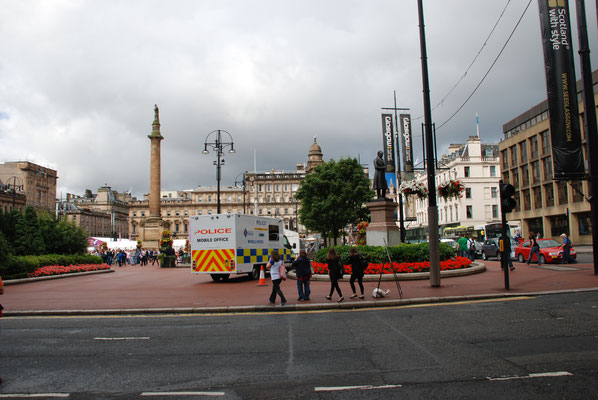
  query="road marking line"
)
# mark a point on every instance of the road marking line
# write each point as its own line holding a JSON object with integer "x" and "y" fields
{"x": 363, "y": 387}
{"x": 182, "y": 394}
{"x": 122, "y": 338}
{"x": 32, "y": 395}
{"x": 530, "y": 376}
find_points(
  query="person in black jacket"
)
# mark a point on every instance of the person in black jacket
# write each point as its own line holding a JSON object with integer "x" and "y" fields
{"x": 358, "y": 267}
{"x": 302, "y": 267}
{"x": 334, "y": 272}
{"x": 534, "y": 249}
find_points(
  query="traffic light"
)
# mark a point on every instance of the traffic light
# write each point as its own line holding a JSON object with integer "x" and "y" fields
{"x": 507, "y": 202}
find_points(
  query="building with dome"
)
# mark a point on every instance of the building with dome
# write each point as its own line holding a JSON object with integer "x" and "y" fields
{"x": 314, "y": 157}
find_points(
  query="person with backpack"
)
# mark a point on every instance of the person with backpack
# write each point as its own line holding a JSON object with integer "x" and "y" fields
{"x": 534, "y": 249}
{"x": 566, "y": 246}
{"x": 358, "y": 266}
{"x": 471, "y": 248}
{"x": 335, "y": 269}
{"x": 302, "y": 267}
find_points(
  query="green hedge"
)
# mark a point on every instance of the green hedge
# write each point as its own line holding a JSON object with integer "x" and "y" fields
{"x": 16, "y": 267}
{"x": 401, "y": 253}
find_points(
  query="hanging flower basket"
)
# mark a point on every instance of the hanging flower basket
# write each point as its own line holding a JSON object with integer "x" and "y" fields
{"x": 413, "y": 188}
{"x": 450, "y": 189}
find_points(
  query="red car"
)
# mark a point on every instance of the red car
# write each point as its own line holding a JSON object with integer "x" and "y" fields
{"x": 550, "y": 251}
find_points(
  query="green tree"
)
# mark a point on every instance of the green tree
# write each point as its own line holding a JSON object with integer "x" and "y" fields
{"x": 334, "y": 196}
{"x": 28, "y": 239}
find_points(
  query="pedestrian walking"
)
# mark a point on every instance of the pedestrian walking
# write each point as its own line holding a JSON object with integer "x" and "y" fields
{"x": 335, "y": 268}
{"x": 277, "y": 274}
{"x": 471, "y": 249}
{"x": 358, "y": 266}
{"x": 303, "y": 270}
{"x": 462, "y": 249}
{"x": 566, "y": 246}
{"x": 534, "y": 249}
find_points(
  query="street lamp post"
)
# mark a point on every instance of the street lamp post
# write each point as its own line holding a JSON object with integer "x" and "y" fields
{"x": 242, "y": 182}
{"x": 218, "y": 146}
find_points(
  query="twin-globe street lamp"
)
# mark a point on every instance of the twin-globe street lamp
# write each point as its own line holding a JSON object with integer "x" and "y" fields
{"x": 218, "y": 146}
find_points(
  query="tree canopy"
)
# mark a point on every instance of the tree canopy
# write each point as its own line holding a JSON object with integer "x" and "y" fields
{"x": 334, "y": 196}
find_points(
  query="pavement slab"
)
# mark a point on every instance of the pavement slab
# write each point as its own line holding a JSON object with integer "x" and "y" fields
{"x": 135, "y": 289}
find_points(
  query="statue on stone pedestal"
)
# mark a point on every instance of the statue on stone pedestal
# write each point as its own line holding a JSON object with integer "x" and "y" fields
{"x": 380, "y": 185}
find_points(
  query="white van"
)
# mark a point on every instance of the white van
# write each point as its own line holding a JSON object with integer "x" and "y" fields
{"x": 224, "y": 244}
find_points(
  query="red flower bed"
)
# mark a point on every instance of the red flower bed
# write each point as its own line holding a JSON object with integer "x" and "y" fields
{"x": 61, "y": 269}
{"x": 424, "y": 266}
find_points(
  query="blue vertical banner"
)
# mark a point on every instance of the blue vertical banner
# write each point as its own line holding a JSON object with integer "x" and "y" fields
{"x": 389, "y": 148}
{"x": 561, "y": 88}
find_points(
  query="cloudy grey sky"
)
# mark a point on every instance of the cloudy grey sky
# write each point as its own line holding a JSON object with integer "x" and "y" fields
{"x": 79, "y": 80}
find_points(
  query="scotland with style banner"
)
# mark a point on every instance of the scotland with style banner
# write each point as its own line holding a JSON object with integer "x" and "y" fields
{"x": 561, "y": 88}
{"x": 405, "y": 123}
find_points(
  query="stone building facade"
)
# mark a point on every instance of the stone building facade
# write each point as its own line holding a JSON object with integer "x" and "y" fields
{"x": 39, "y": 183}
{"x": 104, "y": 214}
{"x": 477, "y": 166}
{"x": 544, "y": 205}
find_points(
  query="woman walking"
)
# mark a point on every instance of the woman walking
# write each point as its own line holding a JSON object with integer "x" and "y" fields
{"x": 334, "y": 272}
{"x": 358, "y": 267}
{"x": 302, "y": 267}
{"x": 534, "y": 249}
{"x": 276, "y": 267}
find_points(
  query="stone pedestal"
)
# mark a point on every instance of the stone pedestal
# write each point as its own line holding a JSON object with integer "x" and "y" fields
{"x": 151, "y": 233}
{"x": 383, "y": 225}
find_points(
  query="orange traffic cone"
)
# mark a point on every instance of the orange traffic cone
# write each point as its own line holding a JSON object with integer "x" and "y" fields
{"x": 262, "y": 281}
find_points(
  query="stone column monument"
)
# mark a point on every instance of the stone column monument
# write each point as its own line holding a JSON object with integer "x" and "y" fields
{"x": 152, "y": 225}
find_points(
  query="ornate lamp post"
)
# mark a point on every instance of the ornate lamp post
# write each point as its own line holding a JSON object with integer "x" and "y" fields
{"x": 242, "y": 182}
{"x": 218, "y": 146}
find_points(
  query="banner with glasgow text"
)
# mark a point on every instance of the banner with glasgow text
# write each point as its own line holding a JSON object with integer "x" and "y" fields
{"x": 561, "y": 88}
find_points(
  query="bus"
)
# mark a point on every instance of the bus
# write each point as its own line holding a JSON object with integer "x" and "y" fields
{"x": 480, "y": 233}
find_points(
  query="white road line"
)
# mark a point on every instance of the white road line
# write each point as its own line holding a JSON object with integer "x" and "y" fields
{"x": 31, "y": 395}
{"x": 122, "y": 338}
{"x": 530, "y": 376}
{"x": 363, "y": 387}
{"x": 183, "y": 394}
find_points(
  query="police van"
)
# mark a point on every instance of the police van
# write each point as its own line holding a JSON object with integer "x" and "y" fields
{"x": 224, "y": 244}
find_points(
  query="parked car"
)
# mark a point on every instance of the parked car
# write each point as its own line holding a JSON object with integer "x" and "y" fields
{"x": 549, "y": 251}
{"x": 451, "y": 242}
{"x": 490, "y": 248}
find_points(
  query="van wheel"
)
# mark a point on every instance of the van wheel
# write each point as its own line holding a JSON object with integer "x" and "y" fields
{"x": 216, "y": 277}
{"x": 255, "y": 273}
{"x": 225, "y": 276}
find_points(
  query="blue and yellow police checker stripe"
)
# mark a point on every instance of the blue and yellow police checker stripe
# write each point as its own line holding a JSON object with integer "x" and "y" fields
{"x": 256, "y": 256}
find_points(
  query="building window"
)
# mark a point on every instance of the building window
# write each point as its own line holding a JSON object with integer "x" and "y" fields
{"x": 168, "y": 213}
{"x": 585, "y": 224}
{"x": 526, "y": 200}
{"x": 536, "y": 171}
{"x": 549, "y": 195}
{"x": 547, "y": 168}
{"x": 537, "y": 197}
{"x": 209, "y": 198}
{"x": 562, "y": 192}
{"x": 469, "y": 210}
{"x": 198, "y": 212}
{"x": 504, "y": 159}
{"x": 468, "y": 193}
{"x": 494, "y": 192}
{"x": 466, "y": 172}
{"x": 176, "y": 227}
{"x": 577, "y": 192}
{"x": 294, "y": 187}
{"x": 515, "y": 181}
{"x": 533, "y": 145}
{"x": 525, "y": 175}
{"x": 277, "y": 187}
{"x": 186, "y": 227}
{"x": 143, "y": 213}
{"x": 268, "y": 188}
{"x": 134, "y": 213}
{"x": 559, "y": 225}
{"x": 286, "y": 187}
{"x": 514, "y": 155}
{"x": 186, "y": 213}
{"x": 545, "y": 139}
{"x": 523, "y": 151}
{"x": 494, "y": 211}
{"x": 176, "y": 213}
{"x": 492, "y": 170}
{"x": 260, "y": 188}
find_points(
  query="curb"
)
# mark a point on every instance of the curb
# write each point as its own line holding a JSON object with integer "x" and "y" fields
{"x": 50, "y": 277}
{"x": 348, "y": 305}
{"x": 475, "y": 268}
